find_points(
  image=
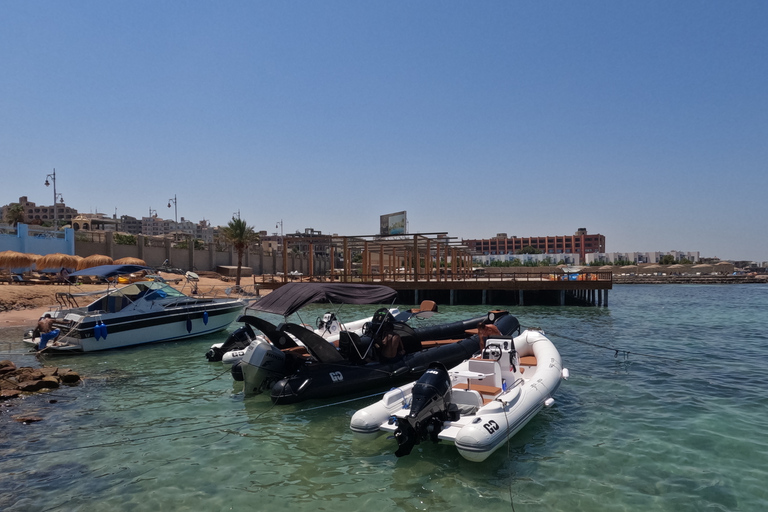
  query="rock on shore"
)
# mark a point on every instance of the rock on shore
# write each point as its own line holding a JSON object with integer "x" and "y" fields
{"x": 14, "y": 380}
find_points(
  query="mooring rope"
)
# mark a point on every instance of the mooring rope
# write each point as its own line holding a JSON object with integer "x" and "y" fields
{"x": 240, "y": 422}
{"x": 228, "y": 370}
{"x": 615, "y": 350}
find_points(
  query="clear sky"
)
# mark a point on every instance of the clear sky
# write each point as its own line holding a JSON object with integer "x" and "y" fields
{"x": 643, "y": 121}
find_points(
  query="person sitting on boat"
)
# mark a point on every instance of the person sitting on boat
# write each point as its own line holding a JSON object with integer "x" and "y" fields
{"x": 390, "y": 346}
{"x": 44, "y": 324}
{"x": 485, "y": 331}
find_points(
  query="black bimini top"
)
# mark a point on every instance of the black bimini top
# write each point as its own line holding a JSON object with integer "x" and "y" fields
{"x": 291, "y": 297}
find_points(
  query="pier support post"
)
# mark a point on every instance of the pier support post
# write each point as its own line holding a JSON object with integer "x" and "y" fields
{"x": 562, "y": 297}
{"x": 520, "y": 300}
{"x": 485, "y": 297}
{"x": 605, "y": 302}
{"x": 452, "y": 298}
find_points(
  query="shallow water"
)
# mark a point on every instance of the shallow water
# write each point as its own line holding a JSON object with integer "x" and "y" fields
{"x": 677, "y": 424}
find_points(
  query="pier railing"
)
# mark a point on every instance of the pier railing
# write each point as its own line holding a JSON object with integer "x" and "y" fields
{"x": 470, "y": 277}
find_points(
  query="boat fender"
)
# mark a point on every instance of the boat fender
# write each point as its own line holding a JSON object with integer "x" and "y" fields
{"x": 97, "y": 331}
{"x": 565, "y": 374}
{"x": 549, "y": 402}
{"x": 189, "y": 324}
{"x": 103, "y": 330}
{"x": 205, "y": 317}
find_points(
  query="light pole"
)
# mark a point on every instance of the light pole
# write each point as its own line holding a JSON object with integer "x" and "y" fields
{"x": 175, "y": 210}
{"x": 280, "y": 223}
{"x": 55, "y": 198}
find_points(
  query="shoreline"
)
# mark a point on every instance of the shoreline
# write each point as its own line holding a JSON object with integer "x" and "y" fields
{"x": 21, "y": 305}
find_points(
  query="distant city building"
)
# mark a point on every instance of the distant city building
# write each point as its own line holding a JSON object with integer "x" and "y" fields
{"x": 556, "y": 247}
{"x": 554, "y": 259}
{"x": 95, "y": 222}
{"x": 130, "y": 225}
{"x": 155, "y": 226}
{"x": 34, "y": 214}
{"x": 640, "y": 257}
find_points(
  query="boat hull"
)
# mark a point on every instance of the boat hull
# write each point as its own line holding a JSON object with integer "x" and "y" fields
{"x": 314, "y": 381}
{"x": 110, "y": 331}
{"x": 479, "y": 433}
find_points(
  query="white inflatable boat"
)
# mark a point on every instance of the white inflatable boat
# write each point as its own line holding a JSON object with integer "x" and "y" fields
{"x": 478, "y": 405}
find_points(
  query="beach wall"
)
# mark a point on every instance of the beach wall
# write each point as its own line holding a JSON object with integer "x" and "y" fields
{"x": 155, "y": 253}
{"x": 37, "y": 240}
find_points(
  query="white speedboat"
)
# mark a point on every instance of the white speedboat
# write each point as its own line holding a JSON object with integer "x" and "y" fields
{"x": 478, "y": 405}
{"x": 141, "y": 312}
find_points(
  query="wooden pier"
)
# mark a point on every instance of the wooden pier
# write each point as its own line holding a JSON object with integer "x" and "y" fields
{"x": 486, "y": 288}
{"x": 433, "y": 266}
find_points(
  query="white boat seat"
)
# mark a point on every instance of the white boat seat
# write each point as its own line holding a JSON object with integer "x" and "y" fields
{"x": 468, "y": 402}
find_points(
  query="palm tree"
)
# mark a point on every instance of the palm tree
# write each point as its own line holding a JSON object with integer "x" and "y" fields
{"x": 14, "y": 214}
{"x": 240, "y": 235}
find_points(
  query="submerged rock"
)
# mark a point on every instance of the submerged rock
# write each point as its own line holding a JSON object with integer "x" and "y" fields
{"x": 15, "y": 381}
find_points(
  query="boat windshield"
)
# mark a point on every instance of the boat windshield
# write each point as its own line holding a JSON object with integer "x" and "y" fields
{"x": 146, "y": 290}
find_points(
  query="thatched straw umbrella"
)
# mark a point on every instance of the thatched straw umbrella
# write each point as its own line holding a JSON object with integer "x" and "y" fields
{"x": 57, "y": 260}
{"x": 94, "y": 260}
{"x": 130, "y": 261}
{"x": 15, "y": 259}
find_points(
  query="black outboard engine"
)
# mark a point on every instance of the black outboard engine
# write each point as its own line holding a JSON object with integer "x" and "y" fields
{"x": 430, "y": 407}
{"x": 238, "y": 340}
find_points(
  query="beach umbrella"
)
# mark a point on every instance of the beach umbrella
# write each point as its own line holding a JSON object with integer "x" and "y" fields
{"x": 57, "y": 260}
{"x": 130, "y": 261}
{"x": 94, "y": 260}
{"x": 15, "y": 259}
{"x": 629, "y": 267}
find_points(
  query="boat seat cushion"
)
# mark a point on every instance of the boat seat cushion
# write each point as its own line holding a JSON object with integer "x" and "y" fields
{"x": 480, "y": 388}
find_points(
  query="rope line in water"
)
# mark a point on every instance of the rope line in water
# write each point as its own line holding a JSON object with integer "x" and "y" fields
{"x": 616, "y": 351}
{"x": 241, "y": 424}
{"x": 228, "y": 370}
{"x": 509, "y": 459}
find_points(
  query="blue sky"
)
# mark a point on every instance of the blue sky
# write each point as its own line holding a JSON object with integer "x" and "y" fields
{"x": 643, "y": 121}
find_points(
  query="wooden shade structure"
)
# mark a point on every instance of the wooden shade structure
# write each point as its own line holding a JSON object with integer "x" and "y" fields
{"x": 15, "y": 259}
{"x": 94, "y": 260}
{"x": 57, "y": 260}
{"x": 130, "y": 261}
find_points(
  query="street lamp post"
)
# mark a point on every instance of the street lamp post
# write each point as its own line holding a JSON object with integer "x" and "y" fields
{"x": 175, "y": 209}
{"x": 55, "y": 198}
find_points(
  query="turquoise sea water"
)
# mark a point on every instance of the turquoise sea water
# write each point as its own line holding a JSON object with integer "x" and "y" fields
{"x": 158, "y": 427}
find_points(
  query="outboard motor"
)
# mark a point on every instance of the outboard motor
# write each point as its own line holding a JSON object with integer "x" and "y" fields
{"x": 238, "y": 340}
{"x": 262, "y": 365}
{"x": 430, "y": 407}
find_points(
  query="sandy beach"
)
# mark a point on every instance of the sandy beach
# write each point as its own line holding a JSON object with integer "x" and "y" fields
{"x": 23, "y": 304}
